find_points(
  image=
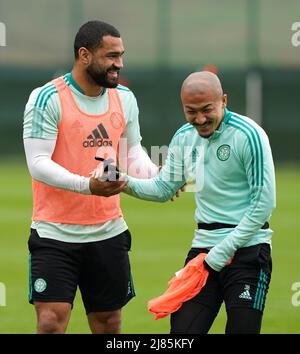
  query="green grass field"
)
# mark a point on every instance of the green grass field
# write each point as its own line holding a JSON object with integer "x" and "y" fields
{"x": 162, "y": 235}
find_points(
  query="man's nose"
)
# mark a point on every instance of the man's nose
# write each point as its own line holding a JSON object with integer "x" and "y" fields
{"x": 118, "y": 63}
{"x": 200, "y": 119}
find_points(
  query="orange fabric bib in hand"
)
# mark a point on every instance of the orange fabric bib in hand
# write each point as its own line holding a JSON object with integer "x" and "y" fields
{"x": 187, "y": 284}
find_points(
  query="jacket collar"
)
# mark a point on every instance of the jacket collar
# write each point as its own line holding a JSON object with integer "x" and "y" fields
{"x": 222, "y": 126}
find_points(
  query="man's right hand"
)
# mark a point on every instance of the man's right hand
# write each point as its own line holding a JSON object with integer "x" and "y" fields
{"x": 106, "y": 189}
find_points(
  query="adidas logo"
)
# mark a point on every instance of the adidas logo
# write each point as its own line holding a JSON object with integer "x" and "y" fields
{"x": 246, "y": 294}
{"x": 99, "y": 137}
{"x": 128, "y": 288}
{"x": 76, "y": 125}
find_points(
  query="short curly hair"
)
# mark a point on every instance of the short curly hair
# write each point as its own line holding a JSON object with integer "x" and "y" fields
{"x": 90, "y": 35}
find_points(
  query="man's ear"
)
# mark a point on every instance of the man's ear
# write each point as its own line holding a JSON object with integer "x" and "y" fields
{"x": 224, "y": 100}
{"x": 84, "y": 55}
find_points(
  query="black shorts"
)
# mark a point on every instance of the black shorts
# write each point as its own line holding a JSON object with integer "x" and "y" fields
{"x": 101, "y": 270}
{"x": 244, "y": 283}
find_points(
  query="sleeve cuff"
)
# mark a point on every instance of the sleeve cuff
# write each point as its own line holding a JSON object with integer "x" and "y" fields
{"x": 209, "y": 268}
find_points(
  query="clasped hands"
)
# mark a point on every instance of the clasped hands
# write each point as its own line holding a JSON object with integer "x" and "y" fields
{"x": 106, "y": 180}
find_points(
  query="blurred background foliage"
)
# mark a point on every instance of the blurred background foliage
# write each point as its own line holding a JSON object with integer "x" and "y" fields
{"x": 165, "y": 40}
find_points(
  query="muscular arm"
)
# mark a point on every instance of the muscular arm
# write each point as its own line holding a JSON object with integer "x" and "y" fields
{"x": 164, "y": 186}
{"x": 137, "y": 163}
{"x": 132, "y": 159}
{"x": 42, "y": 168}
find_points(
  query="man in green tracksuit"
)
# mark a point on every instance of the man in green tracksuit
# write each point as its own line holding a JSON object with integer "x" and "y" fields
{"x": 228, "y": 157}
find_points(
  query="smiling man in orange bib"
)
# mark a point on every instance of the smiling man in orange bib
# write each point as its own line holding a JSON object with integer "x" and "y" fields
{"x": 79, "y": 237}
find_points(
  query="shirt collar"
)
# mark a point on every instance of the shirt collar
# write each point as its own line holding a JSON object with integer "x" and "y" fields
{"x": 226, "y": 116}
{"x": 72, "y": 82}
{"x": 222, "y": 126}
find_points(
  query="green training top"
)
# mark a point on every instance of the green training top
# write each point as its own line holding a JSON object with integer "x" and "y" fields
{"x": 232, "y": 175}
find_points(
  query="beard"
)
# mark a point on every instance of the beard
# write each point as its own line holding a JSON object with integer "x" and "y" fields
{"x": 101, "y": 78}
